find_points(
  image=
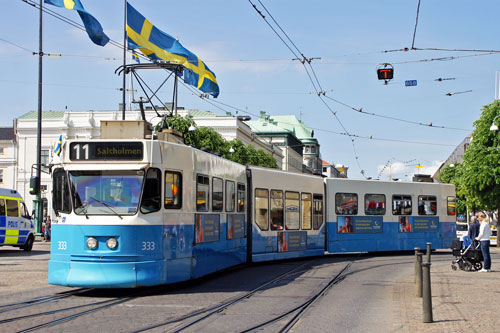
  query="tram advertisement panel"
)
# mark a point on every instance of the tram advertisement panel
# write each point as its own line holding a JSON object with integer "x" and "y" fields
{"x": 360, "y": 224}
{"x": 292, "y": 241}
{"x": 418, "y": 224}
{"x": 206, "y": 228}
{"x": 235, "y": 226}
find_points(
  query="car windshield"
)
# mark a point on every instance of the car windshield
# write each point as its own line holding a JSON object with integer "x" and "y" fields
{"x": 113, "y": 192}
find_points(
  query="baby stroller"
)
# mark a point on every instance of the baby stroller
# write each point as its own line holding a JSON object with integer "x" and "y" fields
{"x": 468, "y": 258}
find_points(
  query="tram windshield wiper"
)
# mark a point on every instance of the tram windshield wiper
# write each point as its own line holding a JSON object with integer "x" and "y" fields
{"x": 104, "y": 203}
{"x": 82, "y": 205}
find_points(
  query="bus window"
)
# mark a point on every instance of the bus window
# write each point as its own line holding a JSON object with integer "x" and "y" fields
{"x": 276, "y": 210}
{"x": 401, "y": 205}
{"x": 374, "y": 204}
{"x": 12, "y": 208}
{"x": 173, "y": 190}
{"x": 217, "y": 195}
{"x": 292, "y": 214}
{"x": 427, "y": 205}
{"x": 318, "y": 211}
{"x": 230, "y": 196}
{"x": 241, "y": 198}
{"x": 262, "y": 208}
{"x": 346, "y": 203}
{"x": 202, "y": 190}
{"x": 452, "y": 206}
{"x": 306, "y": 209}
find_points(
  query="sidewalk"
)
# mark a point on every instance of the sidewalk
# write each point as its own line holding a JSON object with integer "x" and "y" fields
{"x": 461, "y": 301}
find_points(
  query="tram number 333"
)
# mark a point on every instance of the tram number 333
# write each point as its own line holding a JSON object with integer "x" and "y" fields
{"x": 148, "y": 246}
{"x": 62, "y": 245}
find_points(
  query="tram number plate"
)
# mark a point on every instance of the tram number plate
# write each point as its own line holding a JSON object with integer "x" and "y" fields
{"x": 62, "y": 245}
{"x": 148, "y": 246}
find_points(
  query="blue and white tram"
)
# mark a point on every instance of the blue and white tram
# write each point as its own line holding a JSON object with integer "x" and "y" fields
{"x": 367, "y": 215}
{"x": 287, "y": 215}
{"x": 143, "y": 212}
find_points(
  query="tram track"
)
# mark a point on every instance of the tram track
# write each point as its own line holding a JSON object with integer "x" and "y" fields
{"x": 197, "y": 317}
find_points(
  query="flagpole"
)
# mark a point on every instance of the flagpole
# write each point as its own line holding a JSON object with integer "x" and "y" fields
{"x": 124, "y": 58}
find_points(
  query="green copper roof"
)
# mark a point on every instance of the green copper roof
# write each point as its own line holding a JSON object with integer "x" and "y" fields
{"x": 45, "y": 115}
{"x": 283, "y": 124}
{"x": 259, "y": 126}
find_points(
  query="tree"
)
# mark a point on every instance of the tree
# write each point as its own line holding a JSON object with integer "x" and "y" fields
{"x": 481, "y": 166}
{"x": 208, "y": 138}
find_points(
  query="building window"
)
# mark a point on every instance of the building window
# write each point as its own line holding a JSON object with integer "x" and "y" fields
{"x": 1, "y": 176}
{"x": 45, "y": 159}
{"x": 1, "y": 150}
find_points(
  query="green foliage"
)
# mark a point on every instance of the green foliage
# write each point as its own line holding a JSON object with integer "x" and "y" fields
{"x": 206, "y": 137}
{"x": 480, "y": 172}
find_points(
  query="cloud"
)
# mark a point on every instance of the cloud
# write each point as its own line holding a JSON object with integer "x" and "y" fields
{"x": 404, "y": 171}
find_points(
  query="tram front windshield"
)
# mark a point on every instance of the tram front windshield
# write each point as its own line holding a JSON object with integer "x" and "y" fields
{"x": 113, "y": 192}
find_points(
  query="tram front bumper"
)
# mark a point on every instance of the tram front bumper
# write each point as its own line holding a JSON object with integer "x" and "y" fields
{"x": 107, "y": 274}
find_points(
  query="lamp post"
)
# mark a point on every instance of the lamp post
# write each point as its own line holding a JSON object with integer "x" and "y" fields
{"x": 494, "y": 127}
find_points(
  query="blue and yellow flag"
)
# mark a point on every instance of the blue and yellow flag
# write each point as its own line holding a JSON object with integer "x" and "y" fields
{"x": 158, "y": 45}
{"x": 93, "y": 27}
{"x": 58, "y": 149}
{"x": 135, "y": 57}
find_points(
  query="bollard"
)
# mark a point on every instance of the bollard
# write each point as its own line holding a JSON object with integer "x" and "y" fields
{"x": 417, "y": 250}
{"x": 427, "y": 295}
{"x": 419, "y": 275}
{"x": 429, "y": 252}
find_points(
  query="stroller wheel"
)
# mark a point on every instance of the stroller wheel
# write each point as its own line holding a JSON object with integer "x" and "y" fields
{"x": 467, "y": 266}
{"x": 478, "y": 265}
{"x": 454, "y": 267}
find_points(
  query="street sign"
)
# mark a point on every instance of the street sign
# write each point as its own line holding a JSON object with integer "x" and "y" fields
{"x": 411, "y": 83}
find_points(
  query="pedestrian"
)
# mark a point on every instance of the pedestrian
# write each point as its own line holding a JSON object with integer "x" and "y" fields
{"x": 473, "y": 229}
{"x": 484, "y": 239}
{"x": 46, "y": 234}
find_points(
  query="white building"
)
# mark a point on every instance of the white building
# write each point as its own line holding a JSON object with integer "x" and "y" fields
{"x": 8, "y": 156}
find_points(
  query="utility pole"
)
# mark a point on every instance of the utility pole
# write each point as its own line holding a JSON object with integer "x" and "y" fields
{"x": 124, "y": 59}
{"x": 38, "y": 204}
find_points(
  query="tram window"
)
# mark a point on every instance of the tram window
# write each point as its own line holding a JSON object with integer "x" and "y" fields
{"x": 317, "y": 211}
{"x": 452, "y": 206}
{"x": 374, "y": 204}
{"x": 276, "y": 210}
{"x": 2, "y": 207}
{"x": 262, "y": 208}
{"x": 173, "y": 190}
{"x": 230, "y": 196}
{"x": 292, "y": 214}
{"x": 306, "y": 209}
{"x": 12, "y": 208}
{"x": 151, "y": 196}
{"x": 427, "y": 205}
{"x": 241, "y": 197}
{"x": 202, "y": 191}
{"x": 346, "y": 203}
{"x": 61, "y": 200}
{"x": 217, "y": 195}
{"x": 401, "y": 205}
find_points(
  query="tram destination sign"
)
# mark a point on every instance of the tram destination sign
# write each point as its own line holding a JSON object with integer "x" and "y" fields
{"x": 102, "y": 151}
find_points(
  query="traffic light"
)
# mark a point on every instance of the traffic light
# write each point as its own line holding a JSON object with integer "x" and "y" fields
{"x": 385, "y": 73}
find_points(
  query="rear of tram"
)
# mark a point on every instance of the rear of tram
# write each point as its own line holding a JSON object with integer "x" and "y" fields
{"x": 108, "y": 232}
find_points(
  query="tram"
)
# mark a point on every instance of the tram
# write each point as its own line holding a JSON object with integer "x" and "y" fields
{"x": 144, "y": 211}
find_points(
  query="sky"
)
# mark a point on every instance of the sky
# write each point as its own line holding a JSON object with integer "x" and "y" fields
{"x": 255, "y": 70}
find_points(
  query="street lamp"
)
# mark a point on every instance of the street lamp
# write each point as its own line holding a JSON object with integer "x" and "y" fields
{"x": 493, "y": 126}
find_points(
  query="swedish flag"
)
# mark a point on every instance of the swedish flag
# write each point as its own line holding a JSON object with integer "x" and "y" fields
{"x": 135, "y": 57}
{"x": 58, "y": 149}
{"x": 157, "y": 45}
{"x": 93, "y": 27}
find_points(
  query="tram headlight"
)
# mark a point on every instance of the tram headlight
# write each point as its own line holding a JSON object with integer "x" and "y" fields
{"x": 92, "y": 243}
{"x": 112, "y": 243}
